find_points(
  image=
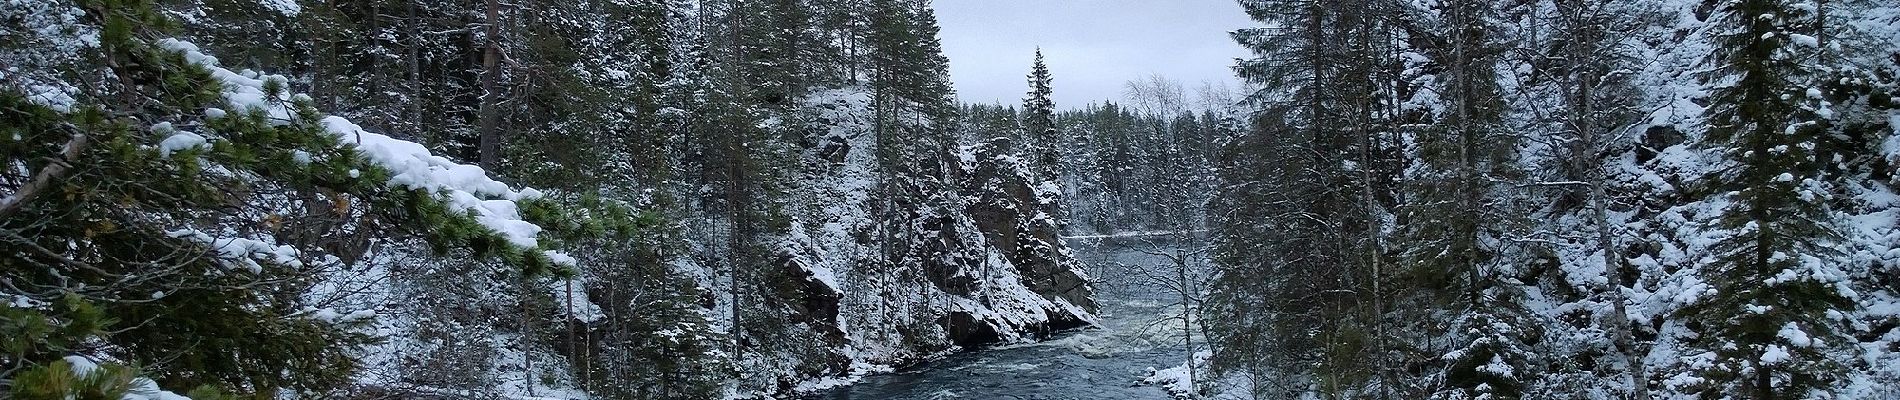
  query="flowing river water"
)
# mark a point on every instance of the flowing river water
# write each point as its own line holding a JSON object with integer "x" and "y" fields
{"x": 1136, "y": 334}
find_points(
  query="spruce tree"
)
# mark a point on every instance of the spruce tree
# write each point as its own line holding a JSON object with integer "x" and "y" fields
{"x": 1453, "y": 231}
{"x": 1043, "y": 148}
{"x": 1769, "y": 323}
{"x": 1302, "y": 277}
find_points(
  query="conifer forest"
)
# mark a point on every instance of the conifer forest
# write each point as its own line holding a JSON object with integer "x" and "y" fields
{"x": 798, "y": 199}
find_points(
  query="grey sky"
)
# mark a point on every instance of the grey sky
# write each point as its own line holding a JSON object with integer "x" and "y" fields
{"x": 1092, "y": 46}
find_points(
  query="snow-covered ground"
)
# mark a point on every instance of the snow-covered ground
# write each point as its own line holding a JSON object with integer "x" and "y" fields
{"x": 1135, "y": 338}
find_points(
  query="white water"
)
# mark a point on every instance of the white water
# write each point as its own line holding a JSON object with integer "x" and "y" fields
{"x": 1105, "y": 362}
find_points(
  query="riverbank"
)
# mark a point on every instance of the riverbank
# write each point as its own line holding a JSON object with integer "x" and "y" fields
{"x": 1136, "y": 335}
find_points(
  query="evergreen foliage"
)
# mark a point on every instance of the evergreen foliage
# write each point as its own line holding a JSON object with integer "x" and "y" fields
{"x": 1122, "y": 170}
{"x": 1475, "y": 199}
{"x": 125, "y": 180}
{"x": 1441, "y": 199}
{"x": 1775, "y": 273}
{"x": 1039, "y": 120}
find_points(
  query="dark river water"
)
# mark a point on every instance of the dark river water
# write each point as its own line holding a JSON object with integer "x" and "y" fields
{"x": 1104, "y": 362}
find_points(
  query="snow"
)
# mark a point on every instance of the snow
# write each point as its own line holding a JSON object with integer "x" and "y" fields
{"x": 58, "y": 27}
{"x": 1775, "y": 354}
{"x": 833, "y": 209}
{"x": 1177, "y": 379}
{"x": 467, "y": 188}
{"x": 180, "y": 141}
{"x": 81, "y": 366}
{"x": 1497, "y": 366}
{"x": 58, "y": 98}
{"x": 858, "y": 371}
{"x": 798, "y": 242}
{"x": 824, "y": 275}
{"x": 330, "y": 315}
{"x": 572, "y": 295}
{"x": 288, "y": 8}
{"x": 139, "y": 389}
{"x": 1795, "y": 336}
{"x": 241, "y": 252}
{"x": 1804, "y": 40}
{"x": 1130, "y": 234}
{"x": 1048, "y": 192}
{"x": 1891, "y": 147}
{"x": 561, "y": 258}
{"x": 369, "y": 295}
{"x": 515, "y": 384}
{"x": 413, "y": 167}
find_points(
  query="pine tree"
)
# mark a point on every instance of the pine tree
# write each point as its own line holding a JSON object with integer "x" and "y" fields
{"x": 841, "y": 27}
{"x": 488, "y": 134}
{"x": 194, "y": 233}
{"x": 771, "y": 64}
{"x": 892, "y": 79}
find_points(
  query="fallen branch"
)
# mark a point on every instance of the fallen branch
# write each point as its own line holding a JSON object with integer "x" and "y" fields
{"x": 54, "y": 170}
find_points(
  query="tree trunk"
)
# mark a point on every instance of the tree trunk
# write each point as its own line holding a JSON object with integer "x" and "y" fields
{"x": 1187, "y": 317}
{"x": 414, "y": 61}
{"x": 738, "y": 201}
{"x": 43, "y": 180}
{"x": 1588, "y": 132}
{"x": 488, "y": 146}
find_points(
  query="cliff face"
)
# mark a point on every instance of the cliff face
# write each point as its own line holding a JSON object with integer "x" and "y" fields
{"x": 969, "y": 255}
{"x": 1016, "y": 215}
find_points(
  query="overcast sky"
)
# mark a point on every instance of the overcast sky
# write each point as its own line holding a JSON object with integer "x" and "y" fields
{"x": 1092, "y": 46}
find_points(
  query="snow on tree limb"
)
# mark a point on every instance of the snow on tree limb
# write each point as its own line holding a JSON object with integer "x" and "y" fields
{"x": 465, "y": 188}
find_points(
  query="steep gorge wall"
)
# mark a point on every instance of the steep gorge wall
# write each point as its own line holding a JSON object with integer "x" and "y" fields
{"x": 970, "y": 257}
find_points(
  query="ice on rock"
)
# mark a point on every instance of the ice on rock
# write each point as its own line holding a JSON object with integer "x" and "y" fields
{"x": 58, "y": 98}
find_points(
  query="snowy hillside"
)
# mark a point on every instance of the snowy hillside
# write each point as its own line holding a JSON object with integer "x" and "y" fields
{"x": 1624, "y": 199}
{"x": 702, "y": 234}
{"x": 753, "y": 199}
{"x": 951, "y": 273}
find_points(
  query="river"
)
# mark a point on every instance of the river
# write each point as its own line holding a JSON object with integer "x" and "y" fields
{"x": 1104, "y": 362}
